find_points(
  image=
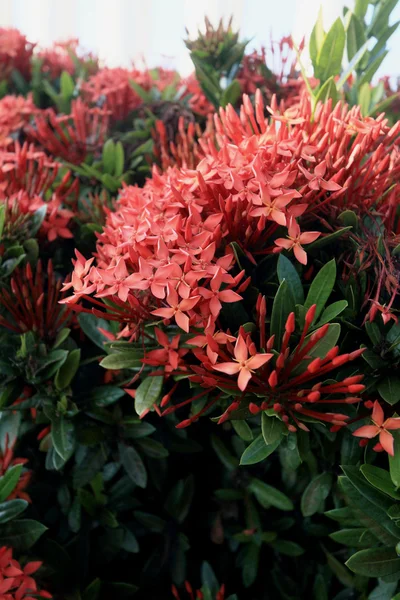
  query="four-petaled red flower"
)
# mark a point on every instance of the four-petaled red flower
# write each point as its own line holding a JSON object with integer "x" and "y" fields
{"x": 295, "y": 240}
{"x": 243, "y": 365}
{"x": 380, "y": 427}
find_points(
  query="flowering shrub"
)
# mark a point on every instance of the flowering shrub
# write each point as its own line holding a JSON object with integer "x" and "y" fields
{"x": 199, "y": 298}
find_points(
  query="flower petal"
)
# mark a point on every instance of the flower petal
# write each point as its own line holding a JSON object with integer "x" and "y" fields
{"x": 367, "y": 431}
{"x": 377, "y": 413}
{"x": 387, "y": 441}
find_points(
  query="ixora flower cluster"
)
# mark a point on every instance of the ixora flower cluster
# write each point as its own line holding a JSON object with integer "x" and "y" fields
{"x": 199, "y": 300}
{"x": 191, "y": 243}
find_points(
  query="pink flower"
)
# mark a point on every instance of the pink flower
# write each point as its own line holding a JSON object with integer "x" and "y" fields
{"x": 243, "y": 365}
{"x": 215, "y": 295}
{"x": 273, "y": 209}
{"x": 296, "y": 239}
{"x": 177, "y": 309}
{"x": 316, "y": 180}
{"x": 380, "y": 427}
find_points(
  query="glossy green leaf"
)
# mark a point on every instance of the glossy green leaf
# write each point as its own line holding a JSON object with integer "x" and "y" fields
{"x": 380, "y": 479}
{"x": 11, "y": 509}
{"x": 242, "y": 429}
{"x": 63, "y": 438}
{"x": 317, "y": 38}
{"x": 21, "y": 534}
{"x": 67, "y": 371}
{"x": 315, "y": 493}
{"x": 326, "y": 92}
{"x": 355, "y": 36}
{"x": 283, "y": 305}
{"x": 131, "y": 359}
{"x": 329, "y": 59}
{"x": 148, "y": 393}
{"x": 258, "y": 451}
{"x": 9, "y": 480}
{"x": 389, "y": 388}
{"x": 133, "y": 465}
{"x": 272, "y": 429}
{"x": 332, "y": 311}
{"x": 321, "y": 287}
{"x": 227, "y": 459}
{"x": 267, "y": 495}
{"x": 375, "y": 562}
{"x": 287, "y": 272}
{"x": 394, "y": 461}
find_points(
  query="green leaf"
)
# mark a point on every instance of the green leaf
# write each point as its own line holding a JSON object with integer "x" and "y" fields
{"x": 231, "y": 94}
{"x": 92, "y": 591}
{"x": 90, "y": 325}
{"x": 394, "y": 461}
{"x": 250, "y": 563}
{"x": 179, "y": 499}
{"x": 209, "y": 579}
{"x": 287, "y": 272}
{"x": 317, "y": 39}
{"x": 141, "y": 92}
{"x": 21, "y": 534}
{"x": 148, "y": 393}
{"x": 152, "y": 448}
{"x": 339, "y": 570}
{"x": 11, "y": 509}
{"x": 371, "y": 70}
{"x": 326, "y": 92}
{"x": 67, "y": 85}
{"x": 62, "y": 435}
{"x": 272, "y": 429}
{"x": 67, "y": 371}
{"x": 360, "y": 8}
{"x": 375, "y": 562}
{"x": 329, "y": 59}
{"x": 242, "y": 429}
{"x": 364, "y": 98}
{"x": 283, "y": 305}
{"x": 62, "y": 335}
{"x": 133, "y": 465}
{"x": 332, "y": 311}
{"x": 348, "y": 537}
{"x": 119, "y": 158}
{"x": 315, "y": 493}
{"x": 257, "y": 451}
{"x": 227, "y": 459}
{"x": 9, "y": 481}
{"x": 105, "y": 395}
{"x": 389, "y": 389}
{"x": 288, "y": 548}
{"x": 270, "y": 496}
{"x": 108, "y": 157}
{"x": 380, "y": 479}
{"x": 352, "y": 66}
{"x": 326, "y": 343}
{"x": 131, "y": 359}
{"x": 381, "y": 16}
{"x": 321, "y": 288}
{"x": 355, "y": 36}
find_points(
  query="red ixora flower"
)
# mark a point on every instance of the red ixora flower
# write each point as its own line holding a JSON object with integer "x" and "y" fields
{"x": 295, "y": 240}
{"x": 32, "y": 303}
{"x": 198, "y": 594}
{"x": 243, "y": 364}
{"x": 16, "y": 582}
{"x": 381, "y": 428}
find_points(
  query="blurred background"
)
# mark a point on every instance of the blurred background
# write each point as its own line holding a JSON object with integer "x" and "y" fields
{"x": 122, "y": 31}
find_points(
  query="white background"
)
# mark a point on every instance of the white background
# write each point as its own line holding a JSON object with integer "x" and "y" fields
{"x": 120, "y": 31}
